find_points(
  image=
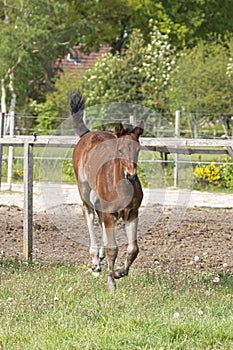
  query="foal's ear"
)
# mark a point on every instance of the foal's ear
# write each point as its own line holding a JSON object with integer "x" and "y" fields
{"x": 138, "y": 130}
{"x": 119, "y": 130}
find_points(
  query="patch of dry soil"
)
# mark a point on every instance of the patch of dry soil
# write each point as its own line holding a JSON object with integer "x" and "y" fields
{"x": 205, "y": 233}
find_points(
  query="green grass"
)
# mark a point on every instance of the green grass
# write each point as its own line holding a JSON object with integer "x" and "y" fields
{"x": 47, "y": 307}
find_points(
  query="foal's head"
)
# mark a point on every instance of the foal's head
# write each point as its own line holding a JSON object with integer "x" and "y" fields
{"x": 128, "y": 147}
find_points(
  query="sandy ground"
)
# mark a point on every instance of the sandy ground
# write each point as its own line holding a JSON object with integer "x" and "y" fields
{"x": 177, "y": 229}
{"x": 52, "y": 195}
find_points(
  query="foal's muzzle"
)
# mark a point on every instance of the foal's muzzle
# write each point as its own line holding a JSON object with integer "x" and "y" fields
{"x": 131, "y": 178}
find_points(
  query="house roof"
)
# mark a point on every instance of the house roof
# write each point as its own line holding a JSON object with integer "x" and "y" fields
{"x": 77, "y": 61}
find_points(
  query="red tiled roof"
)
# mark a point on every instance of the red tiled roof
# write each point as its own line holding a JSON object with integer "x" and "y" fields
{"x": 77, "y": 61}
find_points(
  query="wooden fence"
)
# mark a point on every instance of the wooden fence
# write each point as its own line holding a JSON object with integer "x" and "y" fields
{"x": 162, "y": 145}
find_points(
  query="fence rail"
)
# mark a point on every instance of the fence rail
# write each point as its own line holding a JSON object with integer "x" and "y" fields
{"x": 166, "y": 145}
{"x": 69, "y": 141}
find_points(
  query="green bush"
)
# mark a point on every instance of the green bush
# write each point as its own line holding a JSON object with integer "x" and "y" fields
{"x": 67, "y": 169}
{"x": 227, "y": 175}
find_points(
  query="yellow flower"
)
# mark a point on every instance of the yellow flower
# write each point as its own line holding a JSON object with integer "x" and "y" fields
{"x": 209, "y": 173}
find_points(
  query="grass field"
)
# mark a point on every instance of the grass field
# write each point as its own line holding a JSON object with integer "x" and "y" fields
{"x": 44, "y": 306}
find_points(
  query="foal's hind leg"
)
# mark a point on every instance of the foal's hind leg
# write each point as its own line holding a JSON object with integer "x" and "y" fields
{"x": 89, "y": 213}
{"x": 98, "y": 210}
{"x": 103, "y": 234}
{"x": 132, "y": 249}
{"x": 111, "y": 249}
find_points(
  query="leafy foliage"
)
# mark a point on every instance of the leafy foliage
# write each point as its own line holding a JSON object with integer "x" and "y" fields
{"x": 32, "y": 37}
{"x": 141, "y": 75}
{"x": 201, "y": 19}
{"x": 197, "y": 81}
{"x": 227, "y": 174}
{"x": 54, "y": 110}
{"x": 200, "y": 85}
{"x": 221, "y": 176}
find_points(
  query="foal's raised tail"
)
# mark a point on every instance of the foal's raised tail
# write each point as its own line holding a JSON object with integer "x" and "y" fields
{"x": 77, "y": 107}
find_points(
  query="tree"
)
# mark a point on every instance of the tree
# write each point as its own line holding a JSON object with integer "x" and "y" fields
{"x": 112, "y": 22}
{"x": 200, "y": 85}
{"x": 140, "y": 75}
{"x": 230, "y": 61}
{"x": 51, "y": 113}
{"x": 33, "y": 36}
{"x": 201, "y": 19}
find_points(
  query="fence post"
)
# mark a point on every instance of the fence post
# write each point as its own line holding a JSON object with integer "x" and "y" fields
{"x": 28, "y": 200}
{"x": 2, "y": 117}
{"x": 11, "y": 151}
{"x": 177, "y": 135}
{"x": 2, "y": 122}
{"x": 132, "y": 120}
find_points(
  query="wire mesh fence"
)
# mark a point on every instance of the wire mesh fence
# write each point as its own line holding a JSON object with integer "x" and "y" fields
{"x": 104, "y": 119}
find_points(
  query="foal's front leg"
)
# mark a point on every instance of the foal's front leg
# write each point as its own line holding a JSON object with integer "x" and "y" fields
{"x": 132, "y": 249}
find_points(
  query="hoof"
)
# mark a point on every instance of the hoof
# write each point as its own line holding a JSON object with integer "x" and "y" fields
{"x": 120, "y": 273}
{"x": 96, "y": 268}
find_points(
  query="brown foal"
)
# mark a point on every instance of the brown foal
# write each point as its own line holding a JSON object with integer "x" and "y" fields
{"x": 105, "y": 166}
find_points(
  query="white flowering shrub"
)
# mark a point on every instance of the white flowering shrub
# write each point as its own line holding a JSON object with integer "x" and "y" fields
{"x": 140, "y": 75}
{"x": 230, "y": 61}
{"x": 97, "y": 80}
{"x": 230, "y": 68}
{"x": 160, "y": 60}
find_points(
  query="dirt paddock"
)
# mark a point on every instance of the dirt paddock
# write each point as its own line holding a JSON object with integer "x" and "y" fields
{"x": 202, "y": 240}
